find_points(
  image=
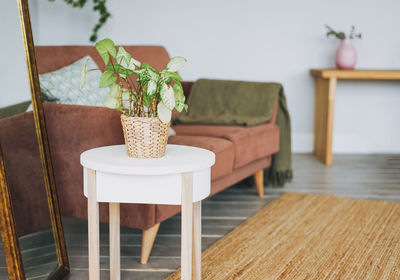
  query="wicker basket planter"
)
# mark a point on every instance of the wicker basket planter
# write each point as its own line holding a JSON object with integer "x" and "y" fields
{"x": 145, "y": 137}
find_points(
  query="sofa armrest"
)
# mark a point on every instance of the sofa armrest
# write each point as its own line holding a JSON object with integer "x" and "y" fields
{"x": 73, "y": 129}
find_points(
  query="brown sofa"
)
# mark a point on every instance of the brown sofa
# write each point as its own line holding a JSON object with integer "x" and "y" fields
{"x": 72, "y": 129}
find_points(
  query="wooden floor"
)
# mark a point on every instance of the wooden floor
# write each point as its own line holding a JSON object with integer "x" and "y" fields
{"x": 355, "y": 176}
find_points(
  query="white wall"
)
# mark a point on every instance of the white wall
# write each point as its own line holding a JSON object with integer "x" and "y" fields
{"x": 262, "y": 41}
{"x": 13, "y": 73}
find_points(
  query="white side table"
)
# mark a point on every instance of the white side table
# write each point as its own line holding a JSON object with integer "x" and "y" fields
{"x": 181, "y": 177}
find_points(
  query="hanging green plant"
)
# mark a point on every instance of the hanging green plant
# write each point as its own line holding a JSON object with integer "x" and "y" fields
{"x": 99, "y": 6}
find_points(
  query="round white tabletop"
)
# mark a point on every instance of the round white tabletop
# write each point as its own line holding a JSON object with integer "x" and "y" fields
{"x": 177, "y": 159}
{"x": 122, "y": 179}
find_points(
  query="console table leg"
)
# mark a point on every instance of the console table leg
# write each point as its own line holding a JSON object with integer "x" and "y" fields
{"x": 187, "y": 215}
{"x": 115, "y": 248}
{"x": 196, "y": 241}
{"x": 325, "y": 90}
{"x": 93, "y": 227}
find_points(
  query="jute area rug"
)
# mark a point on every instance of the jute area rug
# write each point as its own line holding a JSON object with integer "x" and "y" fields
{"x": 306, "y": 236}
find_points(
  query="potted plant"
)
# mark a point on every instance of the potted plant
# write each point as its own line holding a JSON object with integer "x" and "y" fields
{"x": 346, "y": 56}
{"x": 144, "y": 96}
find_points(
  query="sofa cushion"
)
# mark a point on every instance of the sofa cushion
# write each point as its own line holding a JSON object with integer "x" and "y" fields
{"x": 223, "y": 149}
{"x": 250, "y": 143}
{"x": 62, "y": 85}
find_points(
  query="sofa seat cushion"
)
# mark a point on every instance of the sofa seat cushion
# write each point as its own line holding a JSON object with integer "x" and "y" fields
{"x": 250, "y": 143}
{"x": 223, "y": 149}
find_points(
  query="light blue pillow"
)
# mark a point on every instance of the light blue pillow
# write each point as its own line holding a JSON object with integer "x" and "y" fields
{"x": 62, "y": 85}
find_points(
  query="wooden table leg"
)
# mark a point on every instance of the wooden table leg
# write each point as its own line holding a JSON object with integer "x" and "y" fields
{"x": 115, "y": 248}
{"x": 187, "y": 215}
{"x": 325, "y": 90}
{"x": 93, "y": 227}
{"x": 196, "y": 255}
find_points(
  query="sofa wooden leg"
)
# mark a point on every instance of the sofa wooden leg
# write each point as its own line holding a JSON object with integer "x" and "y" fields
{"x": 148, "y": 237}
{"x": 259, "y": 179}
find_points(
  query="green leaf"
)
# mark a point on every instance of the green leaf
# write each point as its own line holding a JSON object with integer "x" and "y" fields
{"x": 140, "y": 71}
{"x": 133, "y": 63}
{"x": 164, "y": 114}
{"x": 114, "y": 91}
{"x": 111, "y": 103}
{"x": 175, "y": 63}
{"x": 107, "y": 79}
{"x": 122, "y": 71}
{"x": 147, "y": 66}
{"x": 147, "y": 75}
{"x": 154, "y": 75}
{"x": 126, "y": 60}
{"x": 151, "y": 88}
{"x": 167, "y": 96}
{"x": 82, "y": 81}
{"x": 143, "y": 78}
{"x": 341, "y": 35}
{"x": 150, "y": 72}
{"x": 166, "y": 75}
{"x": 147, "y": 100}
{"x": 105, "y": 48}
{"x": 179, "y": 97}
{"x": 123, "y": 57}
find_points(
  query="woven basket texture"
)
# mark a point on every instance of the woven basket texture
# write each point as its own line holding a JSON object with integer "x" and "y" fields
{"x": 145, "y": 137}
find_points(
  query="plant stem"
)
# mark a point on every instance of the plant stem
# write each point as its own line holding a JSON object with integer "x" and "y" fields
{"x": 94, "y": 69}
{"x": 112, "y": 64}
{"x": 120, "y": 98}
{"x": 140, "y": 102}
{"x": 131, "y": 83}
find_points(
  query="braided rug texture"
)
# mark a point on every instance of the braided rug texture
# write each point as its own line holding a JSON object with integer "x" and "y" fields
{"x": 307, "y": 236}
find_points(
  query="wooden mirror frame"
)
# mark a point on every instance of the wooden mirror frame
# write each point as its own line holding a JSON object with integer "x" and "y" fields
{"x": 7, "y": 223}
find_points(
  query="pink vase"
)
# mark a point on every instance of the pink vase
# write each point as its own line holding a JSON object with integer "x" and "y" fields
{"x": 346, "y": 56}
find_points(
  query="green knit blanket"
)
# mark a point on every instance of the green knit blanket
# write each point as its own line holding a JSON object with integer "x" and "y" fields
{"x": 220, "y": 102}
{"x": 14, "y": 109}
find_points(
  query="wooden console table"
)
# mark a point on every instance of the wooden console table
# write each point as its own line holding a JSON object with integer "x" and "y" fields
{"x": 325, "y": 88}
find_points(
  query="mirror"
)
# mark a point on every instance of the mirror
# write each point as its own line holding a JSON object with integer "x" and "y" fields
{"x": 33, "y": 245}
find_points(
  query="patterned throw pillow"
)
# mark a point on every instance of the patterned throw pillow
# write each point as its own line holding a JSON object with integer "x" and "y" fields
{"x": 62, "y": 85}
